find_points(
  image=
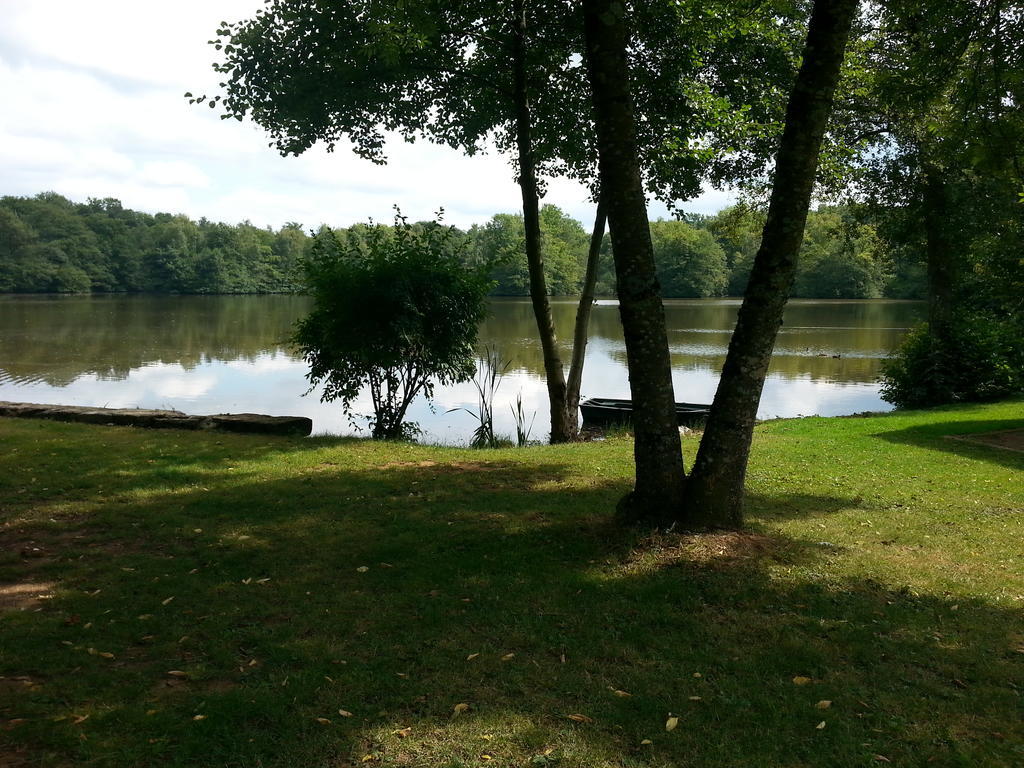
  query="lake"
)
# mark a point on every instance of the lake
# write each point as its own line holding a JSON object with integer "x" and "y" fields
{"x": 220, "y": 354}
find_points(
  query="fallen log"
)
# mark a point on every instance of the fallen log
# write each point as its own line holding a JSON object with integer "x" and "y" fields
{"x": 250, "y": 423}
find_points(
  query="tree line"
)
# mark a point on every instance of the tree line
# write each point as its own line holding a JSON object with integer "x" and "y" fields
{"x": 49, "y": 244}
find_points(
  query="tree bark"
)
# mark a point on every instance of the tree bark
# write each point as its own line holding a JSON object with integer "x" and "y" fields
{"x": 714, "y": 492}
{"x": 941, "y": 268}
{"x": 561, "y": 428}
{"x": 659, "y": 463}
{"x": 581, "y": 331}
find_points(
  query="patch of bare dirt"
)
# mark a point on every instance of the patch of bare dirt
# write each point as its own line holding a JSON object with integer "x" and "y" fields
{"x": 719, "y": 549}
{"x": 17, "y": 684}
{"x": 1007, "y": 439}
{"x": 173, "y": 685}
{"x": 24, "y": 595}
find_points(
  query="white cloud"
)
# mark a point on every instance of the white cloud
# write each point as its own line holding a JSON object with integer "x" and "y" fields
{"x": 94, "y": 107}
{"x": 173, "y": 174}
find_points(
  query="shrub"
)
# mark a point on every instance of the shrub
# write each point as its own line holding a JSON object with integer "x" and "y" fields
{"x": 395, "y": 312}
{"x": 980, "y": 360}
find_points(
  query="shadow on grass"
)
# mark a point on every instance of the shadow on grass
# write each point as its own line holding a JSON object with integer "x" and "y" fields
{"x": 397, "y": 591}
{"x": 791, "y": 506}
{"x": 942, "y": 437}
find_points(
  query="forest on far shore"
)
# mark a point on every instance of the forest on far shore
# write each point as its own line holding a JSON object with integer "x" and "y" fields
{"x": 49, "y": 244}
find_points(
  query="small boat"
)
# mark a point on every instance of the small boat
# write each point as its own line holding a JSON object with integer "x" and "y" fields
{"x": 604, "y": 411}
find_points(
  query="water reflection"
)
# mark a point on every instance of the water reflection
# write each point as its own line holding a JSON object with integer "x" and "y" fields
{"x": 217, "y": 354}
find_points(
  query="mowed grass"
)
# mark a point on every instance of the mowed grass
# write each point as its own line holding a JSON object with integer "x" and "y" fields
{"x": 196, "y": 599}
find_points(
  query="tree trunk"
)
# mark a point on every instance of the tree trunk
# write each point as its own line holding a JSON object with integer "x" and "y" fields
{"x": 580, "y": 335}
{"x": 714, "y": 493}
{"x": 941, "y": 268}
{"x": 561, "y": 428}
{"x": 659, "y": 463}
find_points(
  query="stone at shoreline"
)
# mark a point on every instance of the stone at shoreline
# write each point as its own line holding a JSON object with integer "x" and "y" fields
{"x": 252, "y": 423}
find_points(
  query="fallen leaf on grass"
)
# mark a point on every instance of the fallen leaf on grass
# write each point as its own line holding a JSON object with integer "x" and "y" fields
{"x": 459, "y": 709}
{"x": 199, "y": 717}
{"x": 80, "y": 719}
{"x": 105, "y": 655}
{"x": 646, "y": 743}
{"x": 823, "y": 704}
{"x": 508, "y": 657}
{"x": 801, "y": 680}
{"x": 882, "y": 759}
{"x": 696, "y": 698}
{"x": 671, "y": 723}
{"x": 472, "y": 656}
{"x": 580, "y": 718}
{"x": 621, "y": 694}
{"x": 177, "y": 673}
{"x": 403, "y": 733}
{"x": 362, "y": 569}
{"x": 322, "y": 720}
{"x": 344, "y": 713}
{"x": 167, "y": 601}
{"x": 820, "y": 726}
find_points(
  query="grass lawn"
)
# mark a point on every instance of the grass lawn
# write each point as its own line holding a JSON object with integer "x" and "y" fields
{"x": 195, "y": 599}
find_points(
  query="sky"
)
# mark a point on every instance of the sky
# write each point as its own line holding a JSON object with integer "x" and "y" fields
{"x": 92, "y": 105}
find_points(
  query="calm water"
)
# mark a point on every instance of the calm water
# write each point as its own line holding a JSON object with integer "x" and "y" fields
{"x": 222, "y": 354}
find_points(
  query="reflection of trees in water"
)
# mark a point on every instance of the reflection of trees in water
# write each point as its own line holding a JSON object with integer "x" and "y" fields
{"x": 861, "y": 333}
{"x": 56, "y": 340}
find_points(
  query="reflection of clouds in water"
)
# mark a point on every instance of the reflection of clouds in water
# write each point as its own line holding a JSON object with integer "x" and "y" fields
{"x": 215, "y": 367}
{"x": 172, "y": 382}
{"x": 275, "y": 385}
{"x": 792, "y": 396}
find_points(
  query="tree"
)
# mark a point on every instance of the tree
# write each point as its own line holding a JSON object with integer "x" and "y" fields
{"x": 566, "y": 248}
{"x": 457, "y": 74}
{"x": 658, "y": 488}
{"x": 841, "y": 257}
{"x": 393, "y": 317}
{"x": 714, "y": 492}
{"x": 461, "y": 73}
{"x": 690, "y": 263}
{"x": 943, "y": 107}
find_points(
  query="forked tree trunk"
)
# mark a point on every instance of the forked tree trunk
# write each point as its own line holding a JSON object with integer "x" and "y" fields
{"x": 562, "y": 430}
{"x": 581, "y": 331}
{"x": 714, "y": 492}
{"x": 659, "y": 463}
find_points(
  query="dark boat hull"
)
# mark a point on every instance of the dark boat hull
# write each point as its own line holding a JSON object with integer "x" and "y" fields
{"x": 605, "y": 412}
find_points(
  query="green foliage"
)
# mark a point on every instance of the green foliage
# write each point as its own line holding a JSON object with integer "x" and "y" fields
{"x": 308, "y": 72}
{"x": 51, "y": 244}
{"x": 500, "y": 243}
{"x": 841, "y": 258}
{"x": 981, "y": 359}
{"x": 690, "y": 263}
{"x": 395, "y": 312}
